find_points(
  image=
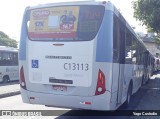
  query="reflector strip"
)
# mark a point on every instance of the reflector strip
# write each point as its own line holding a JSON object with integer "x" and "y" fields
{"x": 86, "y": 103}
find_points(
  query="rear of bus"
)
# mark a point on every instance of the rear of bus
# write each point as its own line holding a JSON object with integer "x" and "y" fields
{"x": 58, "y": 55}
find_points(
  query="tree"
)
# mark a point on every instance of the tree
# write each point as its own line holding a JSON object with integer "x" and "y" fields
{"x": 148, "y": 12}
{"x": 6, "y": 41}
{"x": 157, "y": 39}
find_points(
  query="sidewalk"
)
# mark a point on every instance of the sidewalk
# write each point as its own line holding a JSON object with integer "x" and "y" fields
{"x": 9, "y": 89}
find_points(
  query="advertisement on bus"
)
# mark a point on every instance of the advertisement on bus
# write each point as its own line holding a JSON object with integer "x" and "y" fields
{"x": 54, "y": 22}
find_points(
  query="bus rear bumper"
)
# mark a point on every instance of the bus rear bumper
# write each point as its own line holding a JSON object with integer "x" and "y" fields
{"x": 24, "y": 95}
{"x": 99, "y": 102}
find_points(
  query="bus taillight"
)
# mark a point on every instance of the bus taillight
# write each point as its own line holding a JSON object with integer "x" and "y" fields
{"x": 101, "y": 86}
{"x": 22, "y": 78}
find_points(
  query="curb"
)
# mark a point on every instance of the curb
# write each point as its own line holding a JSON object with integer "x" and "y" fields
{"x": 9, "y": 94}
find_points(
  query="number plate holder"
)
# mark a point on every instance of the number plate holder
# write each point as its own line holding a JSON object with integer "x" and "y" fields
{"x": 59, "y": 88}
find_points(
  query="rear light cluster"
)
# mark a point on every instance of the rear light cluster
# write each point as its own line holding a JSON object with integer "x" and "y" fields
{"x": 101, "y": 85}
{"x": 22, "y": 78}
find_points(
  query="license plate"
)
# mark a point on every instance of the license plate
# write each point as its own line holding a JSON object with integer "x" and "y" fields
{"x": 59, "y": 88}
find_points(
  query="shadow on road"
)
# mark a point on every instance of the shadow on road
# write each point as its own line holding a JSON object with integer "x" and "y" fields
{"x": 9, "y": 83}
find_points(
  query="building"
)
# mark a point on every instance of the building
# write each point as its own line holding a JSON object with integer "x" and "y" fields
{"x": 151, "y": 45}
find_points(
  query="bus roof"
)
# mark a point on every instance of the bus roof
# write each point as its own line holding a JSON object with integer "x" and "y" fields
{"x": 70, "y": 3}
{"x": 108, "y": 6}
{"x": 10, "y": 49}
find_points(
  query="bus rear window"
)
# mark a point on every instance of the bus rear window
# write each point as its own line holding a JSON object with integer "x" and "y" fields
{"x": 65, "y": 23}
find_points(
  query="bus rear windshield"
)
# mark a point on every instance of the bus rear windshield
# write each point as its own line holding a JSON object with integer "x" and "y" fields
{"x": 65, "y": 23}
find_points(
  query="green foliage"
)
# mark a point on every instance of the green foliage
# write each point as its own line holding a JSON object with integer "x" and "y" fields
{"x": 6, "y": 41}
{"x": 148, "y": 12}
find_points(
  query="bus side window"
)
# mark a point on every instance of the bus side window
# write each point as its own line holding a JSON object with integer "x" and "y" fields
{"x": 15, "y": 58}
{"x": 1, "y": 59}
{"x": 118, "y": 41}
{"x": 122, "y": 44}
{"x": 128, "y": 48}
{"x": 134, "y": 50}
{"x": 138, "y": 53}
{"x": 115, "y": 39}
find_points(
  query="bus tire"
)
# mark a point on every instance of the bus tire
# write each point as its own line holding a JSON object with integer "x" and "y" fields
{"x": 5, "y": 79}
{"x": 129, "y": 94}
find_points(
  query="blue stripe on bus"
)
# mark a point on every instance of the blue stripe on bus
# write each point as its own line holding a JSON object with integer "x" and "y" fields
{"x": 104, "y": 39}
{"x": 22, "y": 46}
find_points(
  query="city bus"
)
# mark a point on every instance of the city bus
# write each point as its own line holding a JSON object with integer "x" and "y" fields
{"x": 9, "y": 70}
{"x": 80, "y": 55}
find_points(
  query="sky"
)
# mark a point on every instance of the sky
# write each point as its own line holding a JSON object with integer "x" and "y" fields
{"x": 11, "y": 13}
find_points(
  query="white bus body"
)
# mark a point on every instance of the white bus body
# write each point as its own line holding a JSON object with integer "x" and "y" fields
{"x": 9, "y": 70}
{"x": 75, "y": 64}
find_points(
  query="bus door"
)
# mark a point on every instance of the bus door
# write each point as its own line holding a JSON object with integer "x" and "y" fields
{"x": 119, "y": 57}
{"x": 121, "y": 65}
{"x": 120, "y": 83}
{"x": 145, "y": 66}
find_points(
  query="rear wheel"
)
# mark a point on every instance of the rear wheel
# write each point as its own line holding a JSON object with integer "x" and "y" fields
{"x": 129, "y": 94}
{"x": 5, "y": 79}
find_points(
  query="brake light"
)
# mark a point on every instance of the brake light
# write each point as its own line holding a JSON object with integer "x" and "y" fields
{"x": 22, "y": 78}
{"x": 101, "y": 86}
